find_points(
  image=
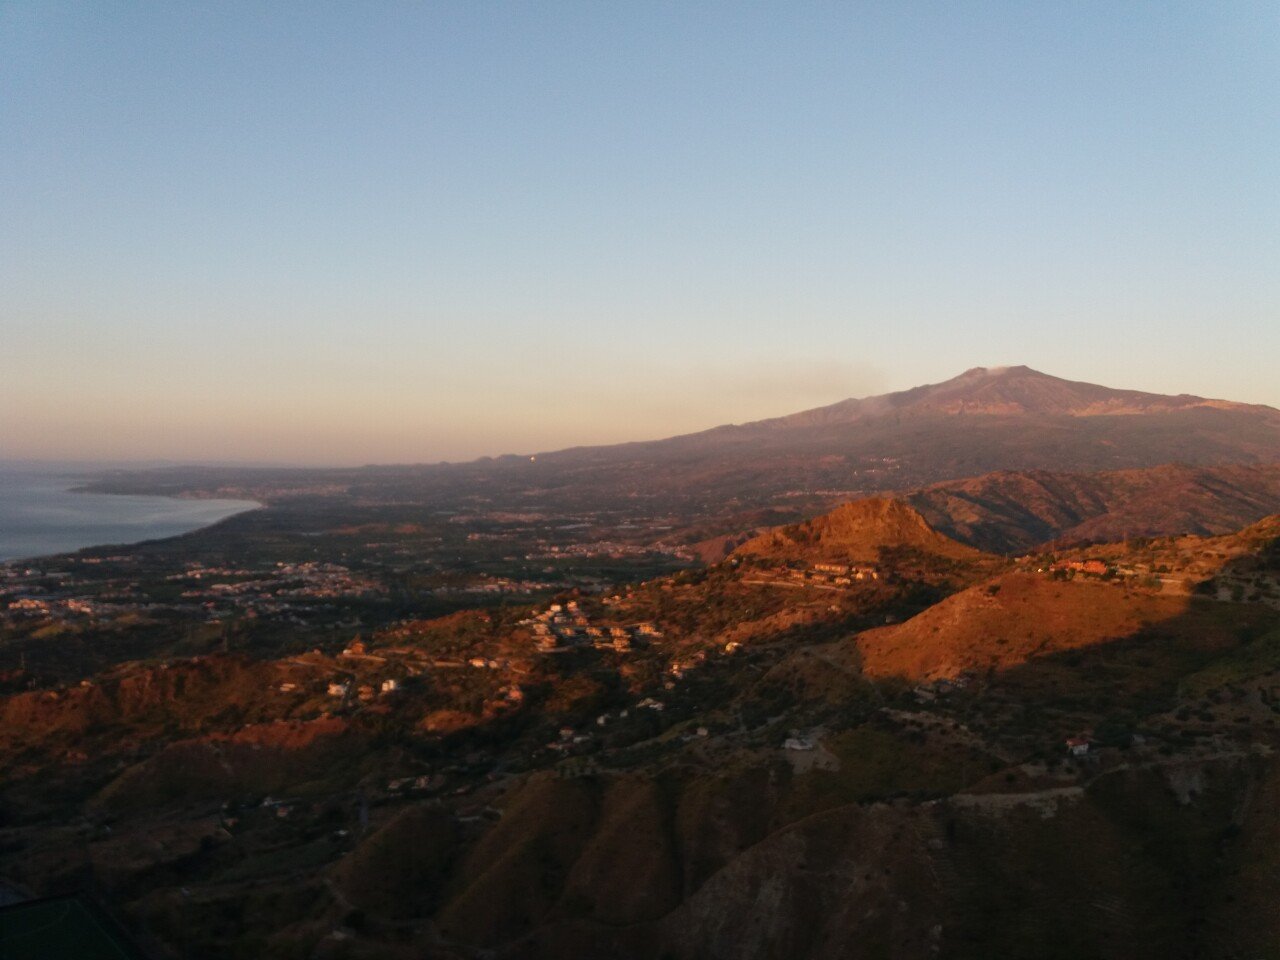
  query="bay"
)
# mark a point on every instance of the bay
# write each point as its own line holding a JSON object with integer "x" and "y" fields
{"x": 40, "y": 514}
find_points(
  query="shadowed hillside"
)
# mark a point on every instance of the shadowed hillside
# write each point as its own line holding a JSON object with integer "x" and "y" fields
{"x": 1010, "y": 512}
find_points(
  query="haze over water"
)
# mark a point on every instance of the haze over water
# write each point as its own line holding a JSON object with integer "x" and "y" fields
{"x": 40, "y": 515}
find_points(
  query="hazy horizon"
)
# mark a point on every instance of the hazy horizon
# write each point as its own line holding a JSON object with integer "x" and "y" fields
{"x": 91, "y": 466}
{"x": 410, "y": 233}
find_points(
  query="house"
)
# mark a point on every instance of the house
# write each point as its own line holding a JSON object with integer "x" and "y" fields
{"x": 30, "y": 605}
{"x": 338, "y": 689}
{"x": 1078, "y": 746}
{"x": 797, "y": 743}
{"x": 390, "y": 686}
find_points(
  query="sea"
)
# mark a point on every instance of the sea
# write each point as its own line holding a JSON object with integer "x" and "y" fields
{"x": 40, "y": 514}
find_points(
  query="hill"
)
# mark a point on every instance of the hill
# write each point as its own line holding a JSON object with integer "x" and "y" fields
{"x": 1007, "y": 622}
{"x": 741, "y": 760}
{"x": 856, "y": 532}
{"x": 1011, "y": 512}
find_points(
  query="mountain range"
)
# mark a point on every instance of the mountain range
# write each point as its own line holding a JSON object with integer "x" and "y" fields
{"x": 1012, "y": 511}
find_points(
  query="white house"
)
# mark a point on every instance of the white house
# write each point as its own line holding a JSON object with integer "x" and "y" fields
{"x": 1078, "y": 746}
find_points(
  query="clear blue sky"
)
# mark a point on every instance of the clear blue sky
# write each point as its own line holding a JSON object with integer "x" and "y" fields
{"x": 378, "y": 231}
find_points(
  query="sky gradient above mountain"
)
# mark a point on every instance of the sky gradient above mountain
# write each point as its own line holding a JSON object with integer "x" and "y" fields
{"x": 408, "y": 233}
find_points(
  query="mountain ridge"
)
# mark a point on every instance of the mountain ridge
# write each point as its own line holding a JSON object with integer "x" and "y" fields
{"x": 999, "y": 391}
{"x": 985, "y": 420}
{"x": 988, "y": 400}
{"x": 1009, "y": 511}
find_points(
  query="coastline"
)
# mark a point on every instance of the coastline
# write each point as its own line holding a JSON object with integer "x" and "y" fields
{"x": 52, "y": 516}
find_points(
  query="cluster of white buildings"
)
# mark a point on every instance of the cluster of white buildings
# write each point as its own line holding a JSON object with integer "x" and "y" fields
{"x": 837, "y": 574}
{"x": 562, "y": 626}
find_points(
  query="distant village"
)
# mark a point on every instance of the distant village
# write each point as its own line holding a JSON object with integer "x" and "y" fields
{"x": 284, "y": 591}
{"x": 562, "y": 627}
